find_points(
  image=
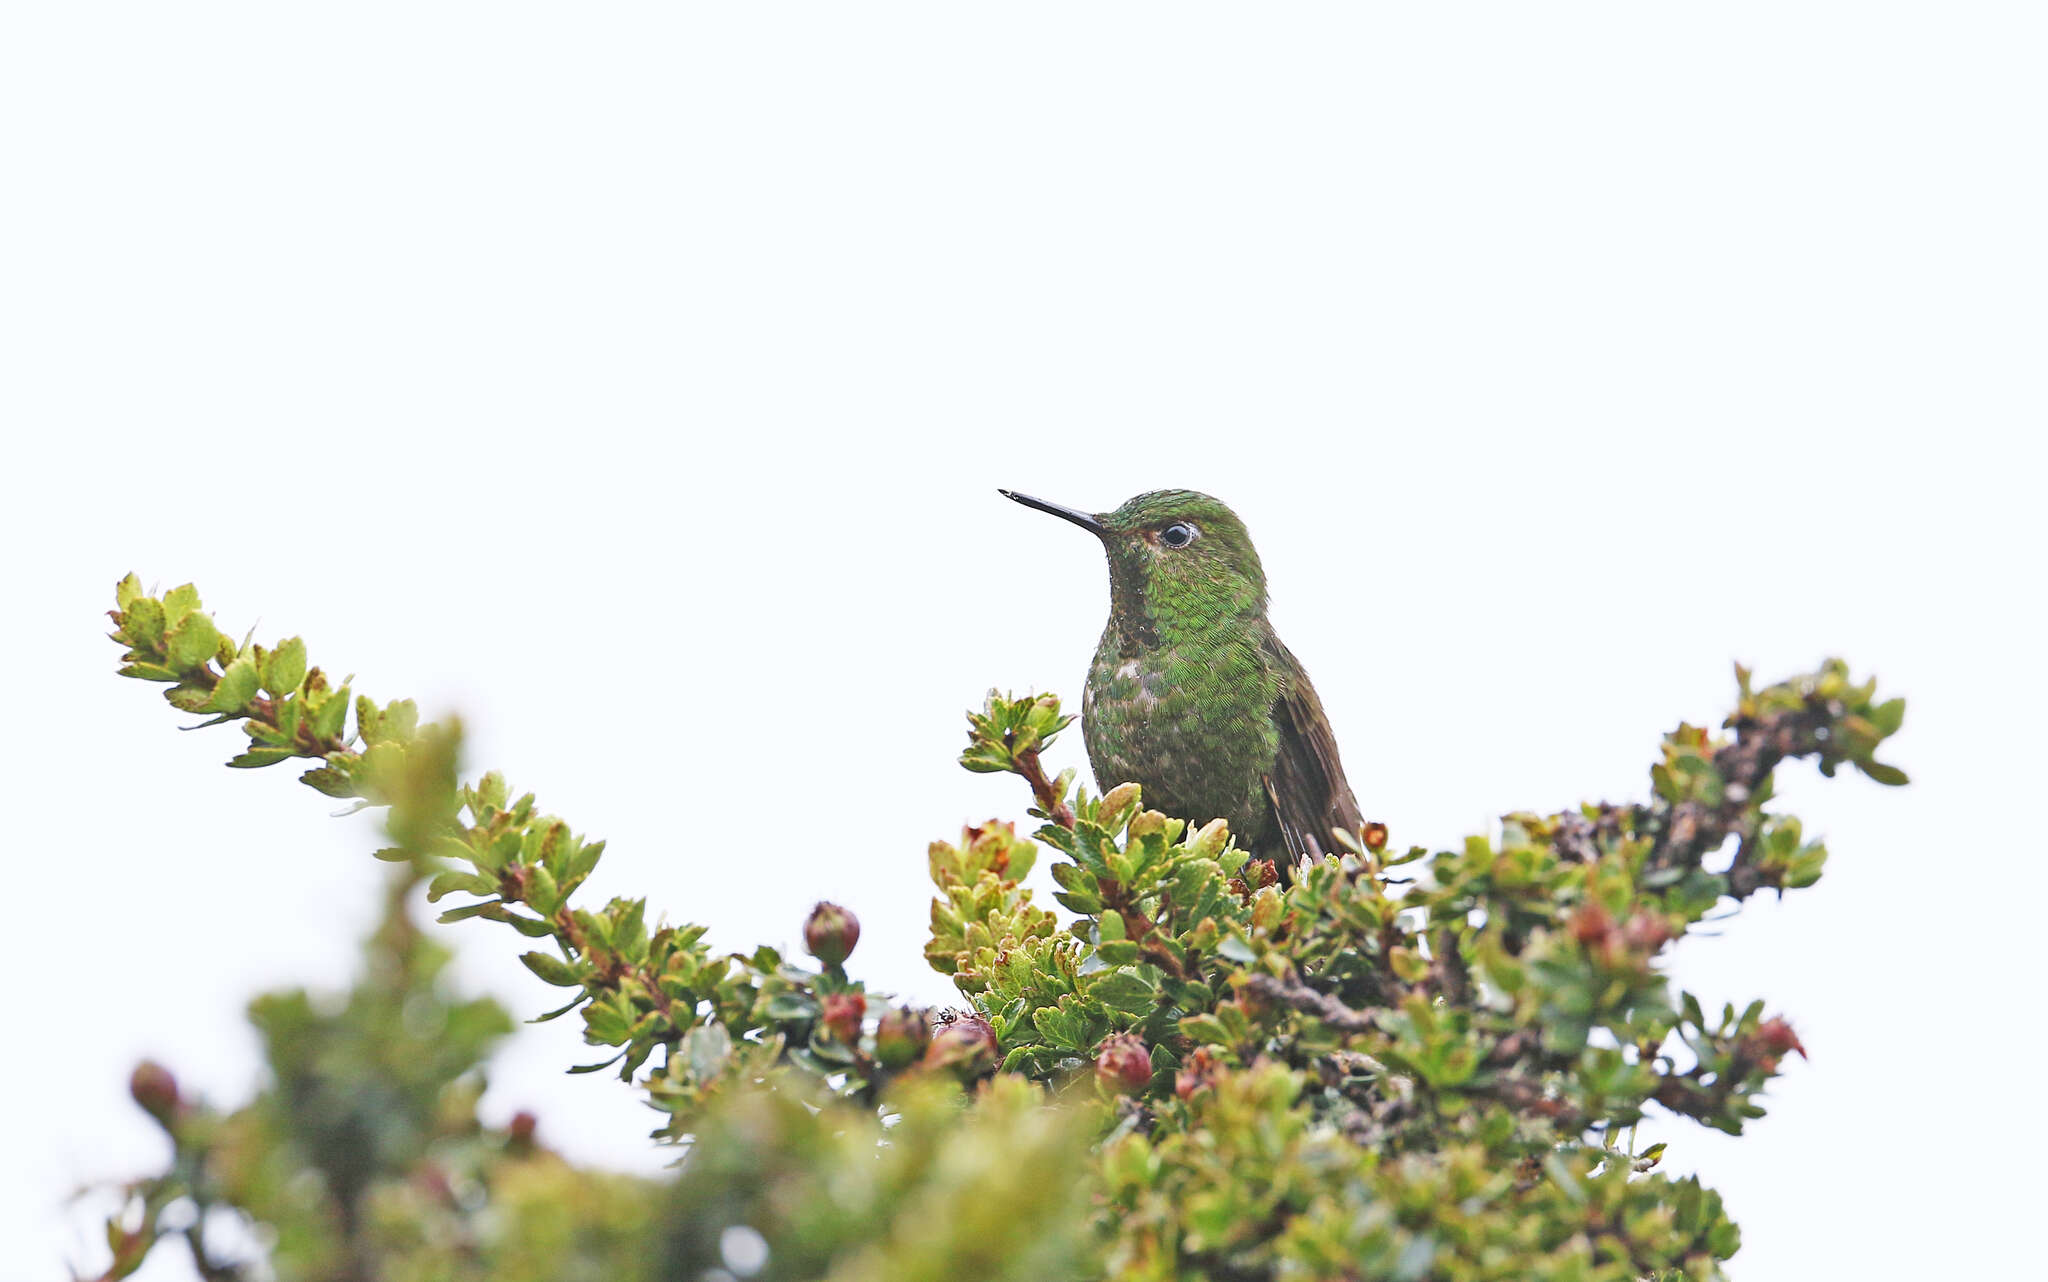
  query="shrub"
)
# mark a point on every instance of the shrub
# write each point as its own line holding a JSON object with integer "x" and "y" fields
{"x": 1401, "y": 1064}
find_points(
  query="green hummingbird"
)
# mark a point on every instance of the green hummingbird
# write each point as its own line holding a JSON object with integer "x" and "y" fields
{"x": 1192, "y": 696}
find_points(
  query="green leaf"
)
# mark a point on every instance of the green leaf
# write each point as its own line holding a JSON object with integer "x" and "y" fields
{"x": 190, "y": 698}
{"x": 258, "y": 757}
{"x": 541, "y": 891}
{"x": 395, "y": 723}
{"x": 833, "y": 1053}
{"x": 560, "y": 1011}
{"x": 179, "y": 602}
{"x": 1084, "y": 903}
{"x": 790, "y": 1008}
{"x": 329, "y": 717}
{"x": 551, "y": 970}
{"x": 706, "y": 1049}
{"x": 142, "y": 622}
{"x": 334, "y": 783}
{"x": 1089, "y": 841}
{"x": 1805, "y": 868}
{"x": 192, "y": 642}
{"x": 1205, "y": 1028}
{"x": 1236, "y": 949}
{"x": 629, "y": 925}
{"x": 606, "y": 1024}
{"x": 455, "y": 879}
{"x": 236, "y": 687}
{"x": 490, "y": 791}
{"x": 531, "y": 927}
{"x": 1055, "y": 1027}
{"x": 1119, "y": 952}
{"x": 285, "y": 667}
{"x": 1890, "y": 776}
{"x": 1124, "y": 991}
{"x": 580, "y": 864}
{"x": 1073, "y": 877}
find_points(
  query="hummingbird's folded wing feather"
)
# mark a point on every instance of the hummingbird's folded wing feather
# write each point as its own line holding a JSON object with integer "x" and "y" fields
{"x": 1309, "y": 792}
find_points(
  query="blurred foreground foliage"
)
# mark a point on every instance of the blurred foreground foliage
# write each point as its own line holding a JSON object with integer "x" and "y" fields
{"x": 1391, "y": 1064}
{"x": 364, "y": 1158}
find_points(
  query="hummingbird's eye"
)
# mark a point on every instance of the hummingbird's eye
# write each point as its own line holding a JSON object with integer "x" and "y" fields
{"x": 1177, "y": 535}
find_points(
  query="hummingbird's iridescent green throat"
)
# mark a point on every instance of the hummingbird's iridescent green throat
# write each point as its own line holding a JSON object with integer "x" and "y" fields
{"x": 1191, "y": 695}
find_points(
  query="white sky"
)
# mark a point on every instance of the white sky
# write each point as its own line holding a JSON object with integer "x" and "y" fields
{"x": 639, "y": 385}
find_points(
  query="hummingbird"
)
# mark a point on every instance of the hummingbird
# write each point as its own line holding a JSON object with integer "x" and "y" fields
{"x": 1191, "y": 695}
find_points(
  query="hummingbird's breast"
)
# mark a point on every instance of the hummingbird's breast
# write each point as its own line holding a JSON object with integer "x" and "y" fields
{"x": 1190, "y": 720}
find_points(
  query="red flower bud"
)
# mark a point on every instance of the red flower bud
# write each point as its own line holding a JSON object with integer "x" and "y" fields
{"x": 843, "y": 1012}
{"x": 964, "y": 1046}
{"x": 1646, "y": 931}
{"x": 1375, "y": 837}
{"x": 1774, "y": 1037}
{"x": 519, "y": 1134}
{"x": 1198, "y": 1070}
{"x": 830, "y": 933}
{"x": 900, "y": 1036}
{"x": 1124, "y": 1067}
{"x": 1592, "y": 924}
{"x": 153, "y": 1087}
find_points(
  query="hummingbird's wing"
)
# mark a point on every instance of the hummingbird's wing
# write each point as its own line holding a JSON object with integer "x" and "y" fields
{"x": 1307, "y": 787}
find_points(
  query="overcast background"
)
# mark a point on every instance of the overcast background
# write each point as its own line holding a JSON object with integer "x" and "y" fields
{"x": 639, "y": 384}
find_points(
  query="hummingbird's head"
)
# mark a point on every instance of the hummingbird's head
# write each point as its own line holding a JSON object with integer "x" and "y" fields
{"x": 1175, "y": 556}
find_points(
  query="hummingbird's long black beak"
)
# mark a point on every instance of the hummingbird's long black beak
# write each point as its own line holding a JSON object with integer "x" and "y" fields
{"x": 1081, "y": 519}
